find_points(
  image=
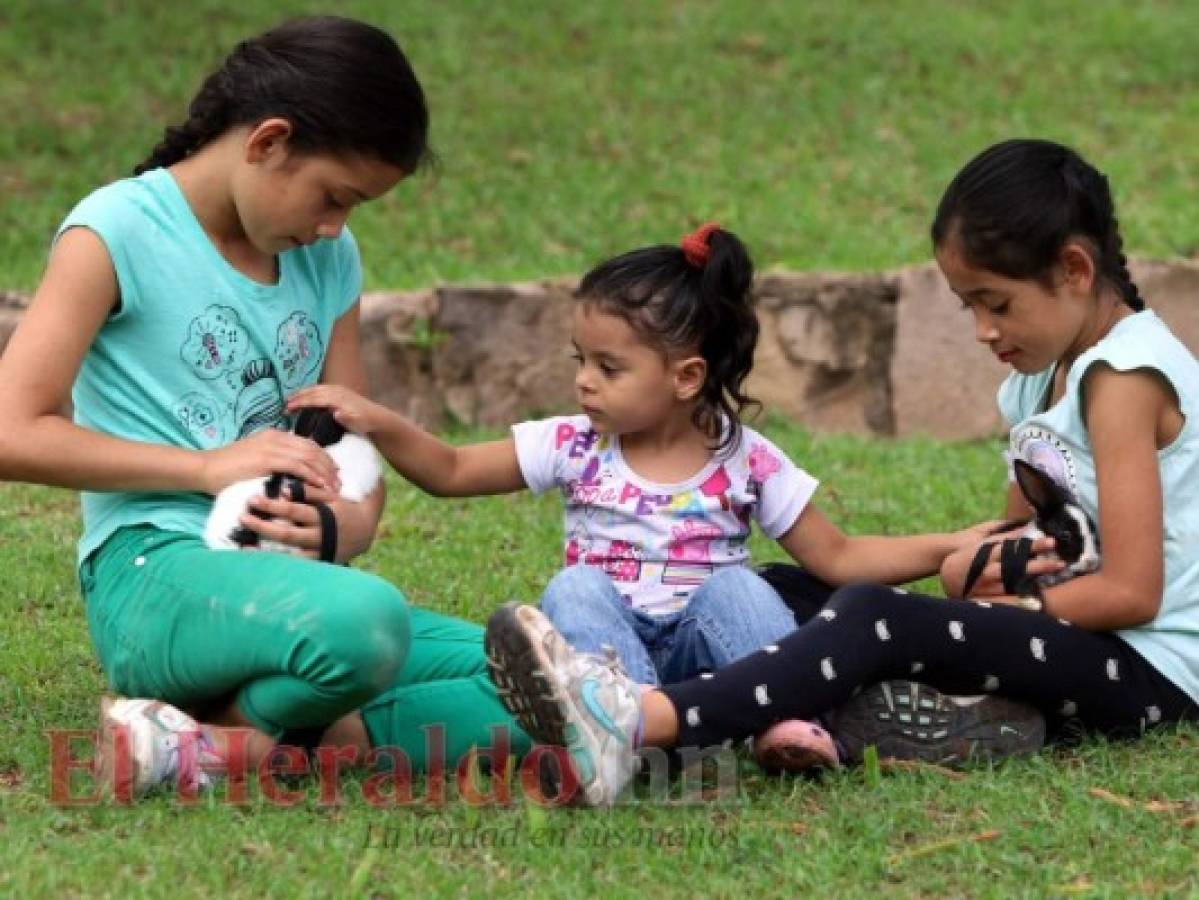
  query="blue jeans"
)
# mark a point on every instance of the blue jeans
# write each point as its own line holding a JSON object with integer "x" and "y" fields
{"x": 732, "y": 614}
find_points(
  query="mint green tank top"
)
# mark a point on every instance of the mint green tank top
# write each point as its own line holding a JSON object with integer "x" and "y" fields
{"x": 197, "y": 355}
{"x": 1057, "y": 440}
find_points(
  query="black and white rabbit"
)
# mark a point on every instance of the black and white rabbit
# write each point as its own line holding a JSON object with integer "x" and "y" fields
{"x": 1057, "y": 514}
{"x": 357, "y": 465}
{"x": 1060, "y": 516}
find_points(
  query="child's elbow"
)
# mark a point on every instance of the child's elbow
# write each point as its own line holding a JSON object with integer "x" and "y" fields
{"x": 437, "y": 489}
{"x": 1143, "y": 607}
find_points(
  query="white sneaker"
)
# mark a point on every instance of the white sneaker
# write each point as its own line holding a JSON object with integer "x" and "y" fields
{"x": 159, "y": 745}
{"x": 563, "y": 698}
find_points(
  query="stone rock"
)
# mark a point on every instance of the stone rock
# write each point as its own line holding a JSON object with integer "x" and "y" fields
{"x": 1171, "y": 289}
{"x": 943, "y": 380}
{"x": 824, "y": 350}
{"x": 505, "y": 356}
{"x": 398, "y": 342}
{"x": 882, "y": 354}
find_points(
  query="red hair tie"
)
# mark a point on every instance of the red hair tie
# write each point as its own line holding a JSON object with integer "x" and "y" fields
{"x": 695, "y": 245}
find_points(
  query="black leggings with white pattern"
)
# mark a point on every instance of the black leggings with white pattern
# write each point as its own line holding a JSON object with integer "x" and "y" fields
{"x": 863, "y": 634}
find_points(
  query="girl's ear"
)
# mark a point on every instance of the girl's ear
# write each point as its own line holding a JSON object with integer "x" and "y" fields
{"x": 267, "y": 139}
{"x": 1077, "y": 266}
{"x": 689, "y": 377}
{"x": 1038, "y": 488}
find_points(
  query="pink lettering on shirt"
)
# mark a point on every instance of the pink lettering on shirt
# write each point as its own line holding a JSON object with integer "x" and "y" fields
{"x": 647, "y": 503}
{"x": 563, "y": 433}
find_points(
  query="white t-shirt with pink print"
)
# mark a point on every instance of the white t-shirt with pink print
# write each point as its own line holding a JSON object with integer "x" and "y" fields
{"x": 658, "y": 542}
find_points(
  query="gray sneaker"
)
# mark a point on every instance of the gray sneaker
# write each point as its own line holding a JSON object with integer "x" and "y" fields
{"x": 563, "y": 698}
{"x": 909, "y": 720}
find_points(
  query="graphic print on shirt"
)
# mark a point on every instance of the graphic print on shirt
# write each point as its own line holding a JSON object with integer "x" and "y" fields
{"x": 298, "y": 349}
{"x": 1038, "y": 446}
{"x": 656, "y": 543}
{"x": 245, "y": 392}
{"x": 260, "y": 403}
{"x": 216, "y": 342}
{"x": 689, "y": 556}
{"x": 579, "y": 539}
{"x": 200, "y": 417}
{"x": 718, "y": 486}
{"x": 622, "y": 562}
{"x": 762, "y": 463}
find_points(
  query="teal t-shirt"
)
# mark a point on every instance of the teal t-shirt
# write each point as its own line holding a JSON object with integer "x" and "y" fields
{"x": 197, "y": 355}
{"x": 1056, "y": 439}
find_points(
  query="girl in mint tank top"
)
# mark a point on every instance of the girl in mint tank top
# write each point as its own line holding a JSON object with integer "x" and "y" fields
{"x": 1104, "y": 400}
{"x": 183, "y": 307}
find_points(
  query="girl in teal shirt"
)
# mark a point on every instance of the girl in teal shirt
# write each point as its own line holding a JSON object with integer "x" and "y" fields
{"x": 184, "y": 305}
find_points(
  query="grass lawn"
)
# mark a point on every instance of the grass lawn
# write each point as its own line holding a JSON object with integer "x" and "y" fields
{"x": 1029, "y": 828}
{"x": 822, "y": 132}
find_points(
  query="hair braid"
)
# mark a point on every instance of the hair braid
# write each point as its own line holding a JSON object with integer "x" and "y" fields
{"x": 1120, "y": 274}
{"x": 1015, "y": 205}
{"x": 208, "y": 116}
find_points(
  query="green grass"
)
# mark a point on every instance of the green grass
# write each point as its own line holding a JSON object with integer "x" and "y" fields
{"x": 822, "y": 132}
{"x": 1028, "y": 828}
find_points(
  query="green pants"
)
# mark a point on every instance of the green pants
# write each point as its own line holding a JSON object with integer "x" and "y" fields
{"x": 296, "y": 644}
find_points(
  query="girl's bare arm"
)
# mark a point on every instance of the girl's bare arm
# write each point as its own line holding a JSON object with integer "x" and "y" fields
{"x": 39, "y": 444}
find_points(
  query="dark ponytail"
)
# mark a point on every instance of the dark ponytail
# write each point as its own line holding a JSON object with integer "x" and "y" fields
{"x": 344, "y": 86}
{"x": 1014, "y": 206}
{"x": 680, "y": 301}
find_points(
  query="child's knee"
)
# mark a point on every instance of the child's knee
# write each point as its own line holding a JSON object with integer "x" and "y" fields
{"x": 861, "y": 601}
{"x": 579, "y": 591}
{"x": 739, "y": 590}
{"x": 365, "y": 639}
{"x": 739, "y": 611}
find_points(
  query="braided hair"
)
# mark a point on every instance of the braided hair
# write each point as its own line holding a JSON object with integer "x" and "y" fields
{"x": 1015, "y": 205}
{"x": 344, "y": 86}
{"x": 686, "y": 298}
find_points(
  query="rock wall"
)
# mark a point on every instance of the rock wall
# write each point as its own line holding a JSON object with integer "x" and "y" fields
{"x": 883, "y": 354}
{"x": 945, "y": 381}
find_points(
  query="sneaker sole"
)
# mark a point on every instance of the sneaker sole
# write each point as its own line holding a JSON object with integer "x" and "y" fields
{"x": 908, "y": 720}
{"x": 517, "y": 664}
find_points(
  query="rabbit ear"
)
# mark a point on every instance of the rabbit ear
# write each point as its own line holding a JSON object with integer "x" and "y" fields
{"x": 1039, "y": 489}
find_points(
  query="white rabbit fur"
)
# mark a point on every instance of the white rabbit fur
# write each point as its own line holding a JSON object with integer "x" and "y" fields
{"x": 357, "y": 465}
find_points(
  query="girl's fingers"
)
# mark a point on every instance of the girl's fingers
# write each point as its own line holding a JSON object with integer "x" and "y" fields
{"x": 1044, "y": 566}
{"x": 311, "y": 396}
{"x": 314, "y": 494}
{"x": 313, "y": 465}
{"x": 284, "y": 532}
{"x": 300, "y": 513}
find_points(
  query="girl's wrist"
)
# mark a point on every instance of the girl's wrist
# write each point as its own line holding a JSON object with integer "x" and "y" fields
{"x": 197, "y": 472}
